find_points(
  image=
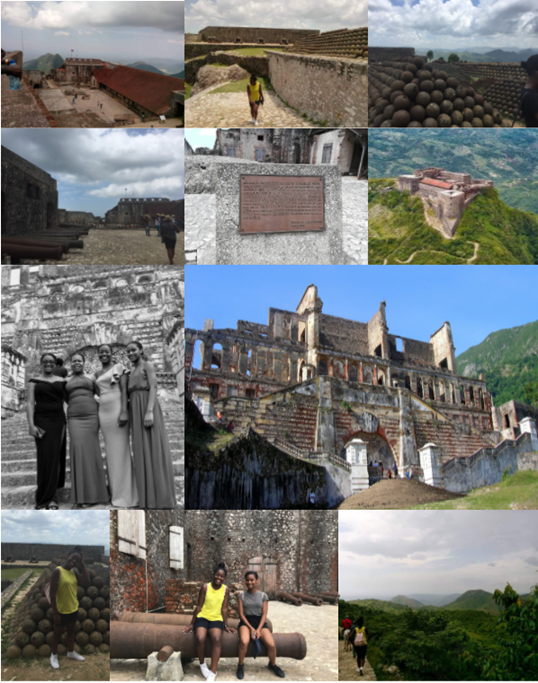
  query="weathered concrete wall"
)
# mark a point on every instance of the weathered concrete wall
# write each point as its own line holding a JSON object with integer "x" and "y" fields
{"x": 320, "y": 247}
{"x": 328, "y": 90}
{"x": 29, "y": 196}
{"x": 46, "y": 551}
{"x": 487, "y": 465}
{"x": 199, "y": 49}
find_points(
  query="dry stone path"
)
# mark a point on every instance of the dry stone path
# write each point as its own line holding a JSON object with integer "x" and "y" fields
{"x": 347, "y": 667}
{"x": 215, "y": 110}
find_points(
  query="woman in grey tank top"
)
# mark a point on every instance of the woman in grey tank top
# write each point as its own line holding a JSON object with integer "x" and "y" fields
{"x": 253, "y": 605}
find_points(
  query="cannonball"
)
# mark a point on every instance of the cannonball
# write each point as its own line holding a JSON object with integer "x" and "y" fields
{"x": 423, "y": 98}
{"x": 82, "y": 638}
{"x": 98, "y": 582}
{"x": 99, "y": 603}
{"x": 94, "y": 614}
{"x": 446, "y": 107}
{"x": 439, "y": 84}
{"x": 418, "y": 113}
{"x": 470, "y": 91}
{"x": 432, "y": 110}
{"x": 37, "y": 614}
{"x": 411, "y": 67}
{"x": 386, "y": 92}
{"x": 457, "y": 118}
{"x": 22, "y": 639}
{"x": 458, "y": 104}
{"x": 106, "y": 637}
{"x": 437, "y": 96}
{"x": 387, "y": 114}
{"x": 92, "y": 592}
{"x": 461, "y": 91}
{"x": 478, "y": 98}
{"x": 104, "y": 648}
{"x": 443, "y": 75}
{"x": 406, "y": 76}
{"x": 377, "y": 122}
{"x": 497, "y": 117}
{"x": 469, "y": 102}
{"x": 444, "y": 121}
{"x": 452, "y": 82}
{"x": 450, "y": 94}
{"x": 45, "y": 626}
{"x": 50, "y": 614}
{"x": 477, "y": 123}
{"x": 430, "y": 123}
{"x": 397, "y": 85}
{"x": 478, "y": 111}
{"x": 466, "y": 124}
{"x": 88, "y": 625}
{"x": 86, "y": 603}
{"x": 105, "y": 614}
{"x": 401, "y": 118}
{"x": 387, "y": 123}
{"x": 37, "y": 595}
{"x": 13, "y": 652}
{"x": 424, "y": 75}
{"x": 92, "y": 573}
{"x": 467, "y": 114}
{"x": 62, "y": 650}
{"x": 395, "y": 94}
{"x": 37, "y": 638}
{"x": 426, "y": 86}
{"x": 401, "y": 102}
{"x": 101, "y": 625}
{"x": 82, "y": 614}
{"x": 81, "y": 592}
{"x": 96, "y": 638}
{"x": 488, "y": 109}
{"x": 44, "y": 650}
{"x": 488, "y": 121}
{"x": 43, "y": 604}
{"x": 29, "y": 651}
{"x": 411, "y": 90}
{"x": 48, "y": 637}
{"x": 28, "y": 626}
{"x": 90, "y": 649}
{"x": 418, "y": 62}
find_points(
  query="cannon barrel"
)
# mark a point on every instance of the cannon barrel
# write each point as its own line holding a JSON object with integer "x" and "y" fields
{"x": 326, "y": 598}
{"x": 287, "y": 597}
{"x": 165, "y": 653}
{"x": 138, "y": 641}
{"x": 17, "y": 251}
{"x": 170, "y": 619}
{"x": 35, "y": 243}
{"x": 308, "y": 598}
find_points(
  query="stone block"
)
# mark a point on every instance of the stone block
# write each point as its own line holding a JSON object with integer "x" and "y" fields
{"x": 171, "y": 670}
{"x": 320, "y": 247}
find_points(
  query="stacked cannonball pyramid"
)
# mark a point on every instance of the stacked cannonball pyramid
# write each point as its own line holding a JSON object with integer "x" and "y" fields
{"x": 495, "y": 70}
{"x": 506, "y": 96}
{"x": 412, "y": 94}
{"x": 32, "y": 624}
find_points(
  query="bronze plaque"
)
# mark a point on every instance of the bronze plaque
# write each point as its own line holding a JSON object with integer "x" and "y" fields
{"x": 278, "y": 203}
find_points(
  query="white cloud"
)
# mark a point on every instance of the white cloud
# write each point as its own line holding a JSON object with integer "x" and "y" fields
{"x": 62, "y": 33}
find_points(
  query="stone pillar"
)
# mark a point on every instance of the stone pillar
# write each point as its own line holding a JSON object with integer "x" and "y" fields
{"x": 326, "y": 431}
{"x": 361, "y": 377}
{"x": 528, "y": 426}
{"x": 407, "y": 445}
{"x": 357, "y": 457}
{"x": 430, "y": 461}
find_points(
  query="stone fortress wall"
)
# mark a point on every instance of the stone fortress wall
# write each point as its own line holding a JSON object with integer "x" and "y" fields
{"x": 48, "y": 551}
{"x": 233, "y": 34}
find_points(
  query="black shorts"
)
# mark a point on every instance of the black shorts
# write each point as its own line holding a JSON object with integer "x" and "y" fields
{"x": 257, "y": 102}
{"x": 68, "y": 618}
{"x": 205, "y": 623}
{"x": 360, "y": 651}
{"x": 253, "y": 621}
{"x": 169, "y": 242}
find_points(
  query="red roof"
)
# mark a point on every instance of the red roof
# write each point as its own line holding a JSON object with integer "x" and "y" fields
{"x": 149, "y": 90}
{"x": 436, "y": 183}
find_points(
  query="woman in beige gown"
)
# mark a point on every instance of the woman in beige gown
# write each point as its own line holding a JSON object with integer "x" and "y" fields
{"x": 111, "y": 382}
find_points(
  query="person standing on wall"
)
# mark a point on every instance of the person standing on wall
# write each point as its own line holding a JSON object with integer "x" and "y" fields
{"x": 255, "y": 97}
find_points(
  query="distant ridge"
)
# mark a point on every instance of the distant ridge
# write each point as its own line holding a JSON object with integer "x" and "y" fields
{"x": 146, "y": 67}
{"x": 44, "y": 63}
{"x": 408, "y": 602}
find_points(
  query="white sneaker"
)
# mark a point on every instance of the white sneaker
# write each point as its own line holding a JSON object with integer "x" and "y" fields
{"x": 205, "y": 670}
{"x": 212, "y": 676}
{"x": 255, "y": 123}
{"x": 54, "y": 661}
{"x": 75, "y": 655}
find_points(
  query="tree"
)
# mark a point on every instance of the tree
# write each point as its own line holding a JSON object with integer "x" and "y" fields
{"x": 453, "y": 58}
{"x": 441, "y": 59}
{"x": 429, "y": 55}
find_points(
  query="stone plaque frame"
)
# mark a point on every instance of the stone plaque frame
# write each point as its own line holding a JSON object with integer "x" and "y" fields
{"x": 282, "y": 224}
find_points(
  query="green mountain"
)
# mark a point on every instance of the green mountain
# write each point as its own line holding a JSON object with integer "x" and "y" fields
{"x": 474, "y": 600}
{"x": 491, "y": 56}
{"x": 490, "y": 232}
{"x": 146, "y": 67}
{"x": 408, "y": 602}
{"x": 44, "y": 63}
{"x": 508, "y": 159}
{"x": 509, "y": 360}
{"x": 383, "y": 605}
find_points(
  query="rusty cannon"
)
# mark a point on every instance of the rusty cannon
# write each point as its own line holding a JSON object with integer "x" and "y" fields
{"x": 36, "y": 243}
{"x": 138, "y": 641}
{"x": 288, "y": 597}
{"x": 331, "y": 599}
{"x": 308, "y": 598}
{"x": 171, "y": 619}
{"x": 18, "y": 252}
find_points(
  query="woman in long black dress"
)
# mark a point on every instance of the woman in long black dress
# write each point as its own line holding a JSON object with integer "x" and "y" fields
{"x": 46, "y": 423}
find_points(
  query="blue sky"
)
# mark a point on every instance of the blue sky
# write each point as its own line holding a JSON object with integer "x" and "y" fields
{"x": 69, "y": 527}
{"x": 95, "y": 168}
{"x": 475, "y": 300}
{"x": 438, "y": 552}
{"x": 126, "y": 32}
{"x": 201, "y": 137}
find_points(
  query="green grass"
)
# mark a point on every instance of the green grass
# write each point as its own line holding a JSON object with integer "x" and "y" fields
{"x": 255, "y": 51}
{"x": 241, "y": 86}
{"x": 14, "y": 572}
{"x": 188, "y": 89}
{"x": 521, "y": 490}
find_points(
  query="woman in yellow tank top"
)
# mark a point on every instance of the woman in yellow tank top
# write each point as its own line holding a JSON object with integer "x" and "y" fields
{"x": 64, "y": 602}
{"x": 255, "y": 98}
{"x": 211, "y": 616}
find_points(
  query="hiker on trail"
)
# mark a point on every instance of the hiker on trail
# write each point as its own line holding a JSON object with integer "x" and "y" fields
{"x": 255, "y": 97}
{"x": 359, "y": 638}
{"x": 529, "y": 92}
{"x": 346, "y": 629}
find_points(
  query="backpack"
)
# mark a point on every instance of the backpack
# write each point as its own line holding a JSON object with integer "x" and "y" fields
{"x": 360, "y": 640}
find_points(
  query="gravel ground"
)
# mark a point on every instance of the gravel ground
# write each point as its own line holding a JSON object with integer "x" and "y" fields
{"x": 396, "y": 494}
{"x": 319, "y": 625}
{"x": 19, "y": 108}
{"x": 347, "y": 667}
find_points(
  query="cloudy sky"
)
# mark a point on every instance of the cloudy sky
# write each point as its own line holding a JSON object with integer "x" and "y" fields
{"x": 126, "y": 32}
{"x": 383, "y": 554}
{"x": 96, "y": 167}
{"x": 70, "y": 527}
{"x": 326, "y": 15}
{"x": 449, "y": 24}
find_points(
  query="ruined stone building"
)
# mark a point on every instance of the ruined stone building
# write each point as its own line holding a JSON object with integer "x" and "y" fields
{"x": 344, "y": 147}
{"x": 311, "y": 383}
{"x": 242, "y": 34}
{"x": 75, "y": 70}
{"x": 448, "y": 193}
{"x": 132, "y": 211}
{"x": 159, "y": 558}
{"x": 68, "y": 309}
{"x": 29, "y": 196}
{"x": 66, "y": 217}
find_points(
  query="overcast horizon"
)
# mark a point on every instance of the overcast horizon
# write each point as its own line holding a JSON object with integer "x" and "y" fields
{"x": 454, "y": 24}
{"x": 96, "y": 167}
{"x": 113, "y": 31}
{"x": 390, "y": 553}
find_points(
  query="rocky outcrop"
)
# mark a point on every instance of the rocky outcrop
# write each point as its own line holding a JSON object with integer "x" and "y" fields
{"x": 209, "y": 76}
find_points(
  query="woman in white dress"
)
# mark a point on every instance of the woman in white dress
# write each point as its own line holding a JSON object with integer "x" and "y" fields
{"x": 111, "y": 381}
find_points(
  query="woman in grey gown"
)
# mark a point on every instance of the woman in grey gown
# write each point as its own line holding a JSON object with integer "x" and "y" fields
{"x": 151, "y": 450}
{"x": 88, "y": 482}
{"x": 111, "y": 382}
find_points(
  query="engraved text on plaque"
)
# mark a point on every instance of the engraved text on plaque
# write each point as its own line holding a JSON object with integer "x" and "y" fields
{"x": 272, "y": 203}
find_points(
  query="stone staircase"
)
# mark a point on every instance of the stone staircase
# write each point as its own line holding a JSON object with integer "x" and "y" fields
{"x": 455, "y": 440}
{"x": 19, "y": 458}
{"x": 351, "y": 44}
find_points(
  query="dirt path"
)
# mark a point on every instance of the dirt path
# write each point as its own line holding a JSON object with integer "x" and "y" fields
{"x": 215, "y": 110}
{"x": 475, "y": 255}
{"x": 395, "y": 494}
{"x": 347, "y": 667}
{"x": 319, "y": 625}
{"x": 95, "y": 668}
